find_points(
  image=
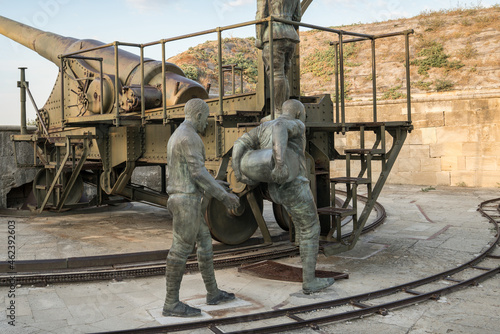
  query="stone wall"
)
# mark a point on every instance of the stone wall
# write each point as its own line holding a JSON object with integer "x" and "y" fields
{"x": 456, "y": 140}
{"x": 11, "y": 176}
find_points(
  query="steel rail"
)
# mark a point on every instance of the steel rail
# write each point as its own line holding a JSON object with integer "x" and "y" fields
{"x": 292, "y": 314}
{"x": 144, "y": 264}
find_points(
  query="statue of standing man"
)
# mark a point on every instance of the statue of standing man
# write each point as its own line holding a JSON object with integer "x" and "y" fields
{"x": 284, "y": 37}
{"x": 188, "y": 182}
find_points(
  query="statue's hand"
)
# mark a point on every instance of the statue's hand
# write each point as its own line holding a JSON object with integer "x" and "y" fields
{"x": 243, "y": 179}
{"x": 224, "y": 184}
{"x": 280, "y": 174}
{"x": 231, "y": 201}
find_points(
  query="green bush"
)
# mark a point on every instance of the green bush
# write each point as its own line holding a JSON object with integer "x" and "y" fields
{"x": 393, "y": 94}
{"x": 434, "y": 56}
{"x": 191, "y": 71}
{"x": 443, "y": 85}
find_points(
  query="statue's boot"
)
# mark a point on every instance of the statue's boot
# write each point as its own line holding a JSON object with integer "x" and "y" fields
{"x": 311, "y": 283}
{"x": 173, "y": 307}
{"x": 180, "y": 309}
{"x": 215, "y": 296}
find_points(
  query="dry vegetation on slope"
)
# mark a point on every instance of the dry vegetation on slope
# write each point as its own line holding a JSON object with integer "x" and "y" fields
{"x": 457, "y": 50}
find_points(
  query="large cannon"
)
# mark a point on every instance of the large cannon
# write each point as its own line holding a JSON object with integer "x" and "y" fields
{"x": 111, "y": 111}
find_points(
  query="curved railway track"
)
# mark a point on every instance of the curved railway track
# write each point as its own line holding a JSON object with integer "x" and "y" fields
{"x": 131, "y": 265}
{"x": 363, "y": 304}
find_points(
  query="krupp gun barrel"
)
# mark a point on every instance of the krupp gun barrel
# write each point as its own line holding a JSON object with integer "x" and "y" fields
{"x": 179, "y": 89}
{"x": 46, "y": 44}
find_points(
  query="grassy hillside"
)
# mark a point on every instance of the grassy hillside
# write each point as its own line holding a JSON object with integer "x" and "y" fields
{"x": 452, "y": 50}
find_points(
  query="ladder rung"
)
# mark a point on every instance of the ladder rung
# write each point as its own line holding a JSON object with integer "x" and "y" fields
{"x": 60, "y": 144}
{"x": 343, "y": 212}
{"x": 359, "y": 151}
{"x": 350, "y": 180}
{"x": 40, "y": 187}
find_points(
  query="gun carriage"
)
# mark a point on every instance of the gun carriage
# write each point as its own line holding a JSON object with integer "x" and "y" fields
{"x": 111, "y": 111}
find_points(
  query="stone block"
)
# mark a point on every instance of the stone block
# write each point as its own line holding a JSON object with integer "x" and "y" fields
{"x": 419, "y": 151}
{"x": 449, "y": 163}
{"x": 445, "y": 149}
{"x": 415, "y": 137}
{"x": 423, "y": 178}
{"x": 399, "y": 178}
{"x": 450, "y": 134}
{"x": 461, "y": 163}
{"x": 443, "y": 179}
{"x": 429, "y": 136}
{"x": 471, "y": 149}
{"x": 430, "y": 165}
{"x": 463, "y": 178}
{"x": 488, "y": 179}
{"x": 409, "y": 165}
{"x": 481, "y": 163}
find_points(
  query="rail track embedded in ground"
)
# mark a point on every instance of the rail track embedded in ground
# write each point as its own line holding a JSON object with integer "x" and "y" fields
{"x": 363, "y": 304}
{"x": 151, "y": 263}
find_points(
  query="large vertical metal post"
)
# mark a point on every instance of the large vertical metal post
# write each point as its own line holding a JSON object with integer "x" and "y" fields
{"x": 143, "y": 100}
{"x": 221, "y": 74}
{"x": 117, "y": 92}
{"x": 337, "y": 97}
{"x": 408, "y": 83}
{"x": 271, "y": 67}
{"x": 163, "y": 78}
{"x": 62, "y": 90}
{"x": 374, "y": 81}
{"x": 102, "y": 86}
{"x": 22, "y": 85}
{"x": 217, "y": 127}
{"x": 342, "y": 84}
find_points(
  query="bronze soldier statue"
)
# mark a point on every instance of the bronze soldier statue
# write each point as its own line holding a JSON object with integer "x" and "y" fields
{"x": 188, "y": 182}
{"x": 284, "y": 37}
{"x": 287, "y": 183}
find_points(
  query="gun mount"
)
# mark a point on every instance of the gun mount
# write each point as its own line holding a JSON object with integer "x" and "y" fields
{"x": 111, "y": 111}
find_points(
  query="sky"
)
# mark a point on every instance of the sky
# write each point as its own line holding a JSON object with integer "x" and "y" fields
{"x": 142, "y": 21}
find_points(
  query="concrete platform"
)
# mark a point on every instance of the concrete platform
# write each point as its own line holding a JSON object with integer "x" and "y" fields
{"x": 425, "y": 233}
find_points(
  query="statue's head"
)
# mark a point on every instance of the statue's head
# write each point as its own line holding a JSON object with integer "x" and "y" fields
{"x": 197, "y": 111}
{"x": 294, "y": 109}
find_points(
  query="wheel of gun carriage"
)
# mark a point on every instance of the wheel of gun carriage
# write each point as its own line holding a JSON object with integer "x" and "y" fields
{"x": 233, "y": 227}
{"x": 42, "y": 182}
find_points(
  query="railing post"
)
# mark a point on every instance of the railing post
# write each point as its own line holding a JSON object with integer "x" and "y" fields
{"x": 374, "y": 81}
{"x": 62, "y": 91}
{"x": 163, "y": 78}
{"x": 143, "y": 100}
{"x": 117, "y": 92}
{"x": 408, "y": 83}
{"x": 342, "y": 85}
{"x": 102, "y": 86}
{"x": 219, "y": 64}
{"x": 22, "y": 85}
{"x": 337, "y": 97}
{"x": 271, "y": 67}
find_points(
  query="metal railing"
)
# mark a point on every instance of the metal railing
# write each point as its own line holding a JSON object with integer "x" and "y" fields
{"x": 339, "y": 65}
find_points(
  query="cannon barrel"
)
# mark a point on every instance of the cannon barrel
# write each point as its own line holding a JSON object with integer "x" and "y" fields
{"x": 46, "y": 44}
{"x": 179, "y": 89}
